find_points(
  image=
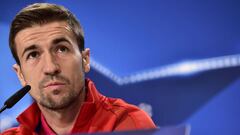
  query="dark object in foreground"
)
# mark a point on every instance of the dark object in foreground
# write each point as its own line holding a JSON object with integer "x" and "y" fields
{"x": 10, "y": 102}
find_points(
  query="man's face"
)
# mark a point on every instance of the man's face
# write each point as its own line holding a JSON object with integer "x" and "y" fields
{"x": 51, "y": 63}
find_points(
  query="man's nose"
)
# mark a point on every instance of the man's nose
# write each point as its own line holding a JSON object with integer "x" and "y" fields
{"x": 51, "y": 66}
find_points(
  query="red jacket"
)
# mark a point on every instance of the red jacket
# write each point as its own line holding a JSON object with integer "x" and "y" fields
{"x": 98, "y": 114}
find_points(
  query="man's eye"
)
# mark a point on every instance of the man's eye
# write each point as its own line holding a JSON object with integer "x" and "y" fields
{"x": 62, "y": 49}
{"x": 32, "y": 55}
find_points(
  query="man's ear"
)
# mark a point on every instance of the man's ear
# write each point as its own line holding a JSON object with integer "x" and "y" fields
{"x": 86, "y": 60}
{"x": 18, "y": 71}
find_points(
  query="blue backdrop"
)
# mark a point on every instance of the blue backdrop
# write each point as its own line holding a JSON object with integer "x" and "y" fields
{"x": 177, "y": 60}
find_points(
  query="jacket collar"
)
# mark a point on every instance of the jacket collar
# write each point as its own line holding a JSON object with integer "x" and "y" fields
{"x": 30, "y": 117}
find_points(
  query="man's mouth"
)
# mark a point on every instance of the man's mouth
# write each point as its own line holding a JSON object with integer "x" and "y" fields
{"x": 54, "y": 85}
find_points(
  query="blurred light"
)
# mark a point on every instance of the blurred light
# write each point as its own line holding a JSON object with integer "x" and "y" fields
{"x": 179, "y": 69}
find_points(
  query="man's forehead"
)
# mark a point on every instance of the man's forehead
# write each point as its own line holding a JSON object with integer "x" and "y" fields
{"x": 37, "y": 31}
{"x": 42, "y": 32}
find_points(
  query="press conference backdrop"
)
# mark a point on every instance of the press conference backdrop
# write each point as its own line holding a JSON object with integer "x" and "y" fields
{"x": 177, "y": 60}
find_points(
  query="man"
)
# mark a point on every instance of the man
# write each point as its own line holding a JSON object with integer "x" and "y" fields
{"x": 47, "y": 43}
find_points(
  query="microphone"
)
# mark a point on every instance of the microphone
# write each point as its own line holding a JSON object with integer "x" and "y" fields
{"x": 15, "y": 98}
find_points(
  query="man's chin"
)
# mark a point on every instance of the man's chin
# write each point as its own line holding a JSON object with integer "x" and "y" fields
{"x": 56, "y": 103}
{"x": 54, "y": 106}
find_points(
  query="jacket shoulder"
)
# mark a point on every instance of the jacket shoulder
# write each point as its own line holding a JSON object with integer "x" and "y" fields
{"x": 129, "y": 116}
{"x": 21, "y": 130}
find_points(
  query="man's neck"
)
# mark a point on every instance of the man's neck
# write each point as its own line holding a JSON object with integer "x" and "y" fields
{"x": 62, "y": 121}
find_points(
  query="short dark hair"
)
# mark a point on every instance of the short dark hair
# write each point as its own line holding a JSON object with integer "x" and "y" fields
{"x": 42, "y": 13}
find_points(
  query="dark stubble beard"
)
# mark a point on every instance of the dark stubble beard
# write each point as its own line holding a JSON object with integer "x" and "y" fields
{"x": 69, "y": 98}
{"x": 66, "y": 100}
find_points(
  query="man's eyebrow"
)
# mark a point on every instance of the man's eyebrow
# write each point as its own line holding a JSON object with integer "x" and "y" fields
{"x": 62, "y": 39}
{"x": 31, "y": 47}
